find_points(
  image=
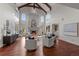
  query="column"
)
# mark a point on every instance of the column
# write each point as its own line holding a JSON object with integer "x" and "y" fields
{"x": 20, "y": 22}
{"x": 44, "y": 24}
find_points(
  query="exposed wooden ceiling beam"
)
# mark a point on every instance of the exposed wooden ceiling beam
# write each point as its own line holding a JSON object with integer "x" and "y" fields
{"x": 24, "y": 5}
{"x": 40, "y": 7}
{"x": 35, "y": 5}
{"x": 48, "y": 6}
{"x": 32, "y": 6}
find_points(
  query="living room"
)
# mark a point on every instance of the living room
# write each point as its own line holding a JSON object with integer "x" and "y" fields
{"x": 55, "y": 28}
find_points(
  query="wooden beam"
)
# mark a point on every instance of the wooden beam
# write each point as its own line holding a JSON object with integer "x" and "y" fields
{"x": 40, "y": 7}
{"x": 32, "y": 6}
{"x": 35, "y": 5}
{"x": 29, "y": 6}
{"x": 48, "y": 6}
{"x": 23, "y": 5}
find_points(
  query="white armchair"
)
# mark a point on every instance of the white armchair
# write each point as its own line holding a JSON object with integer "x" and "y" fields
{"x": 49, "y": 42}
{"x": 31, "y": 44}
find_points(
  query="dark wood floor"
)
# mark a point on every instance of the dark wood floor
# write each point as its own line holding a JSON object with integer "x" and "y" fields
{"x": 60, "y": 49}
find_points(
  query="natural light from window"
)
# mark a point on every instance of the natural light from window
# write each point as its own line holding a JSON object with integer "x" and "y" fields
{"x": 23, "y": 17}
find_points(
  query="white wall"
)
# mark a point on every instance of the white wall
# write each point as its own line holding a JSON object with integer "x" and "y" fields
{"x": 62, "y": 15}
{"x": 7, "y": 12}
{"x": 69, "y": 15}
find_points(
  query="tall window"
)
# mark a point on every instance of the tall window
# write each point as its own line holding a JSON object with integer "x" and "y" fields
{"x": 23, "y": 21}
{"x": 23, "y": 17}
{"x": 42, "y": 19}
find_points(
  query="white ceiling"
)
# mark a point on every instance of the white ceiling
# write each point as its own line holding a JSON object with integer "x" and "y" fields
{"x": 19, "y": 4}
{"x": 73, "y": 5}
{"x": 29, "y": 9}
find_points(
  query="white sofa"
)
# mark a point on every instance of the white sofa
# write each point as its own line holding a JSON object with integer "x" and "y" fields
{"x": 49, "y": 42}
{"x": 31, "y": 44}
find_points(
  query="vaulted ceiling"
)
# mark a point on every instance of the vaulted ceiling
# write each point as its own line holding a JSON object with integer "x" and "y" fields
{"x": 73, "y": 5}
{"x": 45, "y": 7}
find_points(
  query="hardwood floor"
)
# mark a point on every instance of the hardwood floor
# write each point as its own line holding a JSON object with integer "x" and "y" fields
{"x": 60, "y": 49}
